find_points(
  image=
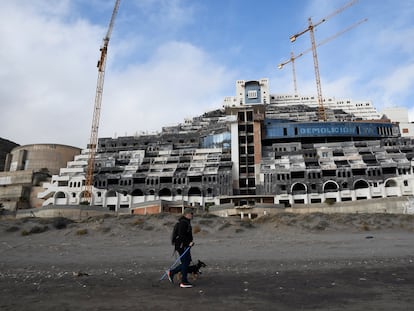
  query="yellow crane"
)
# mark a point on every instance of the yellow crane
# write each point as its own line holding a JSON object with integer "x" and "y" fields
{"x": 311, "y": 28}
{"x": 294, "y": 57}
{"x": 97, "y": 108}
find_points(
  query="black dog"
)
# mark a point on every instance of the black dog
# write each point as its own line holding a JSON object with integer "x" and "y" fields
{"x": 195, "y": 270}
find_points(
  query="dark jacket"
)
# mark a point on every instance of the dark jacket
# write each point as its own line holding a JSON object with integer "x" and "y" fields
{"x": 185, "y": 233}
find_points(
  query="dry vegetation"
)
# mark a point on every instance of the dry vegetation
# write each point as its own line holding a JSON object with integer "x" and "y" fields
{"x": 207, "y": 224}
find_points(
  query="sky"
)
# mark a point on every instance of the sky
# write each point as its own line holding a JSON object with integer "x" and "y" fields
{"x": 169, "y": 60}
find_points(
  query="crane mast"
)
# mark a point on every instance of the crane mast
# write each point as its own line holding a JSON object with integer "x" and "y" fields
{"x": 93, "y": 141}
{"x": 311, "y": 27}
{"x": 321, "y": 107}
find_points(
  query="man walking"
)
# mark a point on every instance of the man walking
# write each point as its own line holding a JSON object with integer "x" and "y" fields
{"x": 183, "y": 241}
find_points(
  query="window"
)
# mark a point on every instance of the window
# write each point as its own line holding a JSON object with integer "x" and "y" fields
{"x": 252, "y": 94}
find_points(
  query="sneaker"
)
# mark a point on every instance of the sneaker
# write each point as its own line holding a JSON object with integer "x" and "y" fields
{"x": 186, "y": 285}
{"x": 170, "y": 276}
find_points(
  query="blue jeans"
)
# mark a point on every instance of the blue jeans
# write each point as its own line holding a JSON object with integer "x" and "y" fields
{"x": 183, "y": 267}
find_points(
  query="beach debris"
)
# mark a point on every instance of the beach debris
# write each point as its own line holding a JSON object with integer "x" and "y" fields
{"x": 82, "y": 231}
{"x": 80, "y": 273}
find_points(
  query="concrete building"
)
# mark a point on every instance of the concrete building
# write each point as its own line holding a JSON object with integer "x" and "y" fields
{"x": 5, "y": 147}
{"x": 26, "y": 168}
{"x": 259, "y": 149}
{"x": 400, "y": 115}
{"x": 40, "y": 157}
{"x": 359, "y": 110}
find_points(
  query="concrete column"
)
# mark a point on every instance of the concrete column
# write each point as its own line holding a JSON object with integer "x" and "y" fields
{"x": 7, "y": 163}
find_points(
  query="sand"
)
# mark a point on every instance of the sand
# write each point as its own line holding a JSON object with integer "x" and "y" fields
{"x": 281, "y": 262}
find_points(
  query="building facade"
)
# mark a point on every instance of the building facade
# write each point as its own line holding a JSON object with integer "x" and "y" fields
{"x": 259, "y": 148}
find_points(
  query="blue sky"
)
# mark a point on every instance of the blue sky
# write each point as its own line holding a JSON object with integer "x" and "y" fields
{"x": 171, "y": 60}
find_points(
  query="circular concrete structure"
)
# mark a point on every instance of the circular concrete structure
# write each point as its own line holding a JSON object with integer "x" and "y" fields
{"x": 41, "y": 157}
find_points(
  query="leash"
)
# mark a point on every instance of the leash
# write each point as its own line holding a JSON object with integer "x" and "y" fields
{"x": 178, "y": 259}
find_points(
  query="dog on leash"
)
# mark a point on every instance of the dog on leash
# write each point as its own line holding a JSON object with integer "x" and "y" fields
{"x": 194, "y": 270}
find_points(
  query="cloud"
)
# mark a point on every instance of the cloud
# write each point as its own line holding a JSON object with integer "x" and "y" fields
{"x": 339, "y": 88}
{"x": 48, "y": 80}
{"x": 394, "y": 87}
{"x": 44, "y": 73}
{"x": 178, "y": 81}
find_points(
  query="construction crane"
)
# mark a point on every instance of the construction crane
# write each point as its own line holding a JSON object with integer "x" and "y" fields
{"x": 97, "y": 108}
{"x": 311, "y": 29}
{"x": 292, "y": 60}
{"x": 293, "y": 57}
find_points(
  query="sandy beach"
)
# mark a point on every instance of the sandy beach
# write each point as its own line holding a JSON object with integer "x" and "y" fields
{"x": 279, "y": 262}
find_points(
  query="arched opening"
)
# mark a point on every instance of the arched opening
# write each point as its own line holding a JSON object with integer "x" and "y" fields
{"x": 164, "y": 192}
{"x": 60, "y": 198}
{"x": 60, "y": 195}
{"x": 151, "y": 192}
{"x": 361, "y": 184}
{"x": 361, "y": 188}
{"x": 209, "y": 191}
{"x": 137, "y": 193}
{"x": 391, "y": 183}
{"x": 298, "y": 188}
{"x": 330, "y": 186}
{"x": 194, "y": 191}
{"x": 179, "y": 191}
{"x": 391, "y": 188}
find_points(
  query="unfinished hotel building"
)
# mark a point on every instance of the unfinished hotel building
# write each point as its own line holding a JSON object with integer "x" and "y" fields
{"x": 258, "y": 149}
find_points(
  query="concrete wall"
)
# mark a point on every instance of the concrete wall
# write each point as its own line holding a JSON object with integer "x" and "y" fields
{"x": 71, "y": 212}
{"x": 396, "y": 205}
{"x": 400, "y": 205}
{"x": 13, "y": 178}
{"x": 150, "y": 209}
{"x": 34, "y": 201}
{"x": 15, "y": 189}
